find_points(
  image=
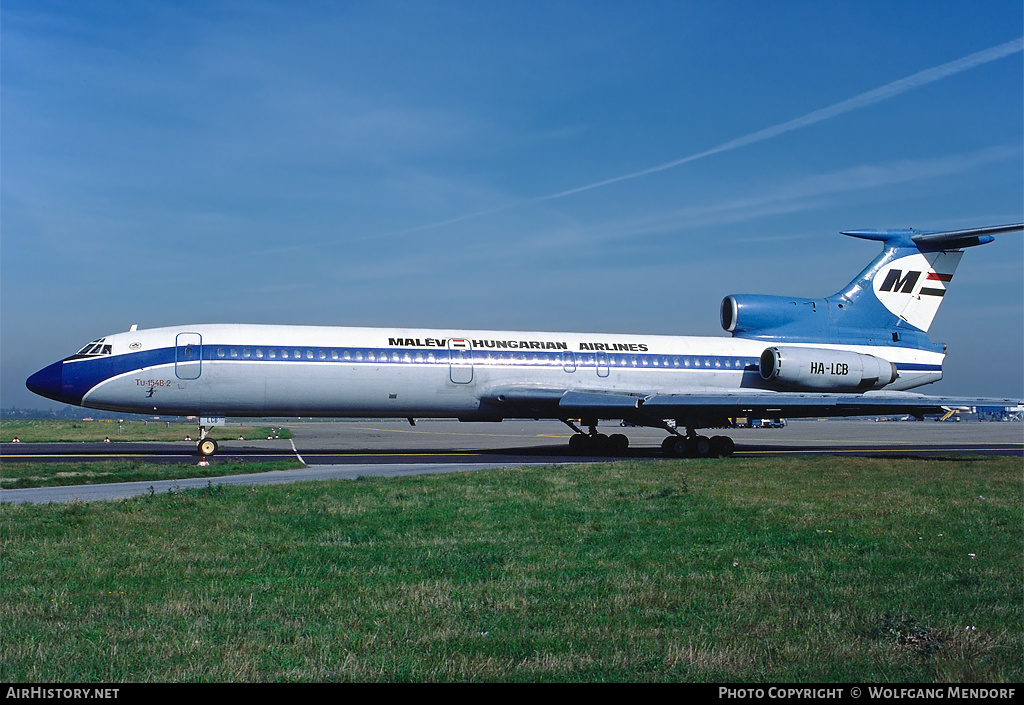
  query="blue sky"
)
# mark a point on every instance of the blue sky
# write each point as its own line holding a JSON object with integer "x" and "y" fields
{"x": 584, "y": 166}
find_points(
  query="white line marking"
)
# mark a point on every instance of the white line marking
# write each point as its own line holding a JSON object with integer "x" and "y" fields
{"x": 296, "y": 451}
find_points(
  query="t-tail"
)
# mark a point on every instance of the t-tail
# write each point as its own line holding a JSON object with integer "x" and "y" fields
{"x": 892, "y": 302}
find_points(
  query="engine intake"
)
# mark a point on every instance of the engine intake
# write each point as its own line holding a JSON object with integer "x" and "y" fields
{"x": 821, "y": 369}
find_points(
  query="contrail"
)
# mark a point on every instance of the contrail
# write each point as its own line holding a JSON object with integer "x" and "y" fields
{"x": 921, "y": 78}
{"x": 889, "y": 90}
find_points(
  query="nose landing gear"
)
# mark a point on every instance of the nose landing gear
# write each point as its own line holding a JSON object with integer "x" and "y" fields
{"x": 206, "y": 446}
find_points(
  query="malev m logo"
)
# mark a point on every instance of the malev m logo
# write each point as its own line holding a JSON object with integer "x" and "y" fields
{"x": 912, "y": 286}
{"x": 894, "y": 279}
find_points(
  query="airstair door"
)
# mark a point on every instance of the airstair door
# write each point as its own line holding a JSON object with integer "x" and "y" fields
{"x": 188, "y": 355}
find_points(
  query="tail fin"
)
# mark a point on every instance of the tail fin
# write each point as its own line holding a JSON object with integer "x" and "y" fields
{"x": 912, "y": 287}
{"x": 912, "y": 274}
{"x": 892, "y": 302}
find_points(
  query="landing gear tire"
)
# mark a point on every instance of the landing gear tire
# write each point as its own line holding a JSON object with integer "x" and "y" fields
{"x": 618, "y": 444}
{"x": 722, "y": 446}
{"x": 598, "y": 444}
{"x": 207, "y": 447}
{"x": 668, "y": 447}
{"x": 674, "y": 447}
{"x": 697, "y": 447}
{"x": 578, "y": 443}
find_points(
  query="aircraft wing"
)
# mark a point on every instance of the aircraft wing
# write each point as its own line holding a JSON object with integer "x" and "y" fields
{"x": 794, "y": 404}
{"x": 702, "y": 410}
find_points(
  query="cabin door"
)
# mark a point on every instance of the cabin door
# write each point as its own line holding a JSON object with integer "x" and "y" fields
{"x": 188, "y": 355}
{"x": 460, "y": 360}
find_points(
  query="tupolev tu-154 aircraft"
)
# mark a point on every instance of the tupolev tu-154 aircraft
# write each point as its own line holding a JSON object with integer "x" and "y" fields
{"x": 850, "y": 354}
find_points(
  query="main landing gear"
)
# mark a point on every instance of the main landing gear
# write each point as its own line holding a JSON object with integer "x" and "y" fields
{"x": 594, "y": 443}
{"x": 675, "y": 446}
{"x": 693, "y": 446}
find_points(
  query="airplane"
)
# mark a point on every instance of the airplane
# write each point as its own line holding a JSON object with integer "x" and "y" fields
{"x": 854, "y": 353}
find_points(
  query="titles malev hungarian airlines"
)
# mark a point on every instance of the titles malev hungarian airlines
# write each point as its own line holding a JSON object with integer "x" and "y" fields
{"x": 515, "y": 344}
{"x": 854, "y": 353}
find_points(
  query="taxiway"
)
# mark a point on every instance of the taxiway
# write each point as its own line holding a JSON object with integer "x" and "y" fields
{"x": 350, "y": 449}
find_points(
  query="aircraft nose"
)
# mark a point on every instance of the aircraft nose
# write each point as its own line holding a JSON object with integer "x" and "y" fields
{"x": 48, "y": 382}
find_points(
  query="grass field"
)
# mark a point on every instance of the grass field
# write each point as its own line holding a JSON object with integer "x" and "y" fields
{"x": 23, "y": 475}
{"x": 786, "y": 570}
{"x": 95, "y": 431}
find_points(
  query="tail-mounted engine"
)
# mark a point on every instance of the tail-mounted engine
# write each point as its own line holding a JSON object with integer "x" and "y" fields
{"x": 784, "y": 320}
{"x": 775, "y": 317}
{"x": 820, "y": 369}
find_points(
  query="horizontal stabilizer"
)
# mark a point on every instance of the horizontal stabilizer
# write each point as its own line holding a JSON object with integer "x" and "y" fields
{"x": 964, "y": 238}
{"x": 948, "y": 240}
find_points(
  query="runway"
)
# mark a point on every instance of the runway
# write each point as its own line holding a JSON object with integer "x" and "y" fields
{"x": 443, "y": 441}
{"x": 350, "y": 449}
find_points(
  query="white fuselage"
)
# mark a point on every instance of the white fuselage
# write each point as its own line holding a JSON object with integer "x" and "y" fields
{"x": 264, "y": 370}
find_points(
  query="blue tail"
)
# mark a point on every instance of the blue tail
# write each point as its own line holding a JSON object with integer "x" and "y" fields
{"x": 892, "y": 302}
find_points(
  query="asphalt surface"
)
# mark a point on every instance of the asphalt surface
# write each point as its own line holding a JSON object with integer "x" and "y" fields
{"x": 350, "y": 449}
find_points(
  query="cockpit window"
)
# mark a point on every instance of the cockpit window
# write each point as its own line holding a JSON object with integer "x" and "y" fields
{"x": 96, "y": 347}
